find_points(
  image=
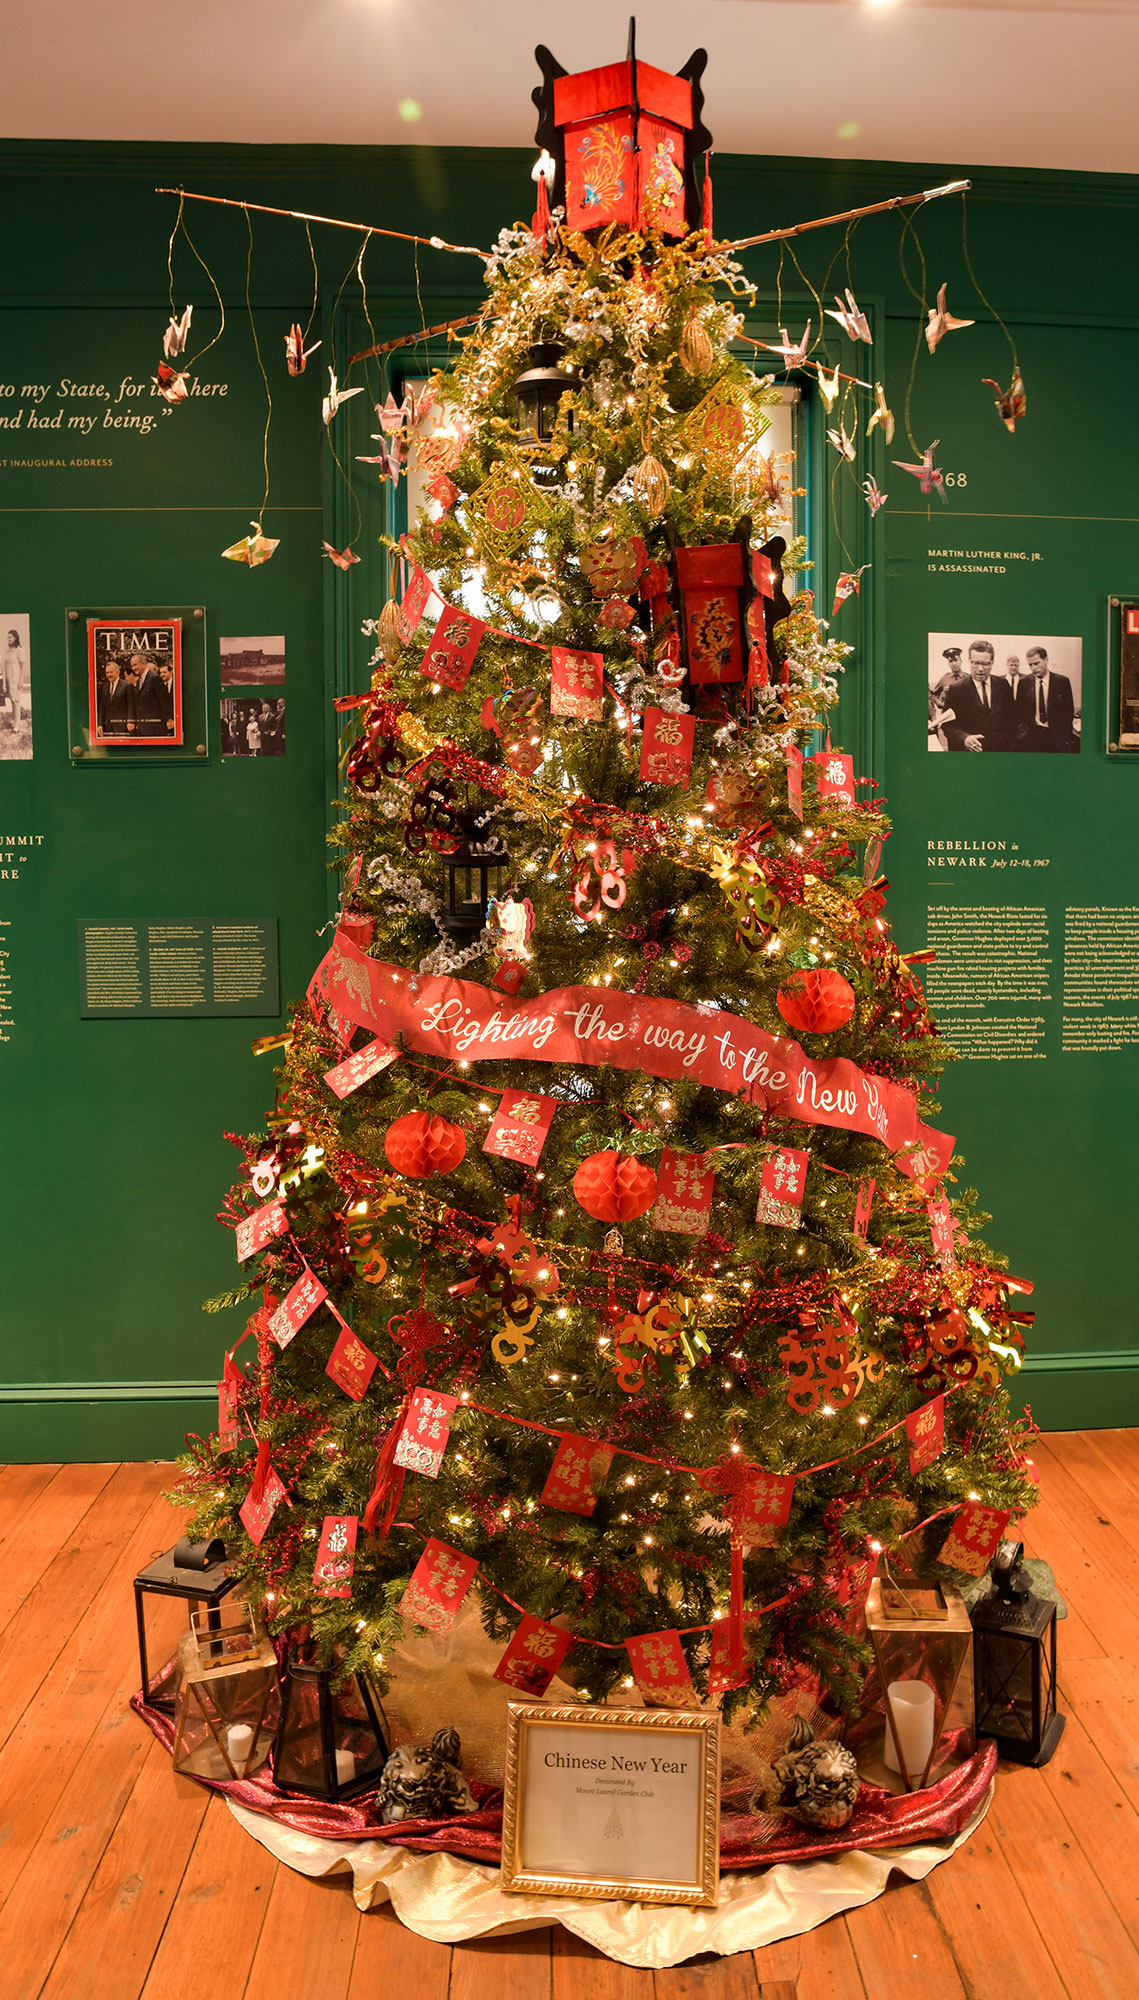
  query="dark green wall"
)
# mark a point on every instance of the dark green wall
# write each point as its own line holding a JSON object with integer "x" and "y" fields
{"x": 113, "y": 1159}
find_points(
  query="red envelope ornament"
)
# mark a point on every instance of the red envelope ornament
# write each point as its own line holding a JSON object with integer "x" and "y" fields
{"x": 972, "y": 1540}
{"x": 426, "y": 1430}
{"x": 437, "y": 1586}
{"x": 357, "y": 1069}
{"x": 579, "y": 1471}
{"x": 834, "y": 775}
{"x": 257, "y": 1514}
{"x": 941, "y": 1233}
{"x": 661, "y": 1670}
{"x": 451, "y": 653}
{"x": 336, "y": 1556}
{"x": 256, "y": 1230}
{"x": 576, "y": 684}
{"x": 781, "y": 1188}
{"x": 685, "y": 1186}
{"x": 351, "y": 1365}
{"x": 925, "y": 1429}
{"x": 519, "y": 1126}
{"x": 533, "y": 1656}
{"x": 298, "y": 1306}
{"x": 666, "y": 747}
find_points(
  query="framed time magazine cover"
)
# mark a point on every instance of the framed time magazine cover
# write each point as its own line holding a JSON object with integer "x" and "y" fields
{"x": 134, "y": 681}
{"x": 136, "y": 684}
{"x": 617, "y": 1803}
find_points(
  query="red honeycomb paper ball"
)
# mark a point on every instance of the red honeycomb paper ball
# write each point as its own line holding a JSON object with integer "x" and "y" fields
{"x": 614, "y": 1187}
{"x": 816, "y": 1001}
{"x": 419, "y": 1146}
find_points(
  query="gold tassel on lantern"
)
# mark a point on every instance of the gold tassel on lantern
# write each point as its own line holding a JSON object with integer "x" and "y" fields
{"x": 651, "y": 484}
{"x": 696, "y": 354}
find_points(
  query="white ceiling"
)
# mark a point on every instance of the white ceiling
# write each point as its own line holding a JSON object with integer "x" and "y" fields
{"x": 1040, "y": 83}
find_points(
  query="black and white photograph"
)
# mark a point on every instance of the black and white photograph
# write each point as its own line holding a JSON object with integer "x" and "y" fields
{"x": 15, "y": 687}
{"x": 257, "y": 661}
{"x": 1004, "y": 691}
{"x": 252, "y": 726}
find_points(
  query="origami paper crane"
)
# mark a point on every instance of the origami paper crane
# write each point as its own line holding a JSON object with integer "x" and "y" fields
{"x": 828, "y": 388}
{"x": 843, "y": 444}
{"x": 389, "y": 458}
{"x": 177, "y": 333}
{"x": 883, "y": 415}
{"x": 170, "y": 385}
{"x": 1012, "y": 402}
{"x": 343, "y": 558}
{"x": 252, "y": 549}
{"x": 296, "y": 353}
{"x": 850, "y": 317}
{"x": 768, "y": 484}
{"x": 336, "y": 395}
{"x": 404, "y": 416}
{"x": 929, "y": 476}
{"x": 847, "y": 585}
{"x": 875, "y": 497}
{"x": 794, "y": 352}
{"x": 941, "y": 321}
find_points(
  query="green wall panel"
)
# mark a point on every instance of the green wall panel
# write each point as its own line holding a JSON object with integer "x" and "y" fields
{"x": 114, "y": 1158}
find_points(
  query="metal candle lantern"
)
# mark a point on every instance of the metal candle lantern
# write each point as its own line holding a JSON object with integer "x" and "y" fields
{"x": 539, "y": 390}
{"x": 226, "y": 1702}
{"x": 922, "y": 1642}
{"x": 1014, "y": 1655}
{"x": 331, "y": 1741}
{"x": 476, "y": 876}
{"x": 198, "y": 1573}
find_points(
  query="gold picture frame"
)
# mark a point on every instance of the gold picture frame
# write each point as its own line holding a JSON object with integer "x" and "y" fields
{"x": 622, "y": 1804}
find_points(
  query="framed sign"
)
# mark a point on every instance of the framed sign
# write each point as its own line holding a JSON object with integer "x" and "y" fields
{"x": 1123, "y": 677}
{"x": 620, "y": 1803}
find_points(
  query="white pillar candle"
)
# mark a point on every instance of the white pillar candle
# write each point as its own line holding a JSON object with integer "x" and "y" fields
{"x": 345, "y": 1767}
{"x": 239, "y": 1743}
{"x": 911, "y": 1705}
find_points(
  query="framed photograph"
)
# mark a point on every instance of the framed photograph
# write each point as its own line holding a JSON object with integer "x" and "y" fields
{"x": 134, "y": 682}
{"x": 1004, "y": 691}
{"x": 618, "y": 1803}
{"x": 255, "y": 661}
{"x": 15, "y": 686}
{"x": 252, "y": 726}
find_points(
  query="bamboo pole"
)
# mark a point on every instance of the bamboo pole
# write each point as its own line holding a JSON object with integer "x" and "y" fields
{"x": 409, "y": 339}
{"x": 848, "y": 215}
{"x": 333, "y": 221}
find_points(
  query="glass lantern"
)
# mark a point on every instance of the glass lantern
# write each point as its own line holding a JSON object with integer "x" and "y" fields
{"x": 918, "y": 1722}
{"x": 198, "y": 1573}
{"x": 537, "y": 395}
{"x": 227, "y": 1701}
{"x": 1014, "y": 1656}
{"x": 476, "y": 876}
{"x": 331, "y": 1741}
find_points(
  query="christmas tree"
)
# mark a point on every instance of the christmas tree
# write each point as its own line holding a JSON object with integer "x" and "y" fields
{"x": 602, "y": 1259}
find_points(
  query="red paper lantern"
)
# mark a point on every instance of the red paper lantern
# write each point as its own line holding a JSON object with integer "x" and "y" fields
{"x": 816, "y": 1001}
{"x": 419, "y": 1146}
{"x": 614, "y": 1187}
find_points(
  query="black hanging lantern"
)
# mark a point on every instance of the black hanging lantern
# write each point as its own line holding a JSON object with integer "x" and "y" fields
{"x": 198, "y": 1573}
{"x": 331, "y": 1742}
{"x": 476, "y": 875}
{"x": 1014, "y": 1663}
{"x": 538, "y": 392}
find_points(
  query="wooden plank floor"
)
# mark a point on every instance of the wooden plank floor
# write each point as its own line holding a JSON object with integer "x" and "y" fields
{"x": 120, "y": 1882}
